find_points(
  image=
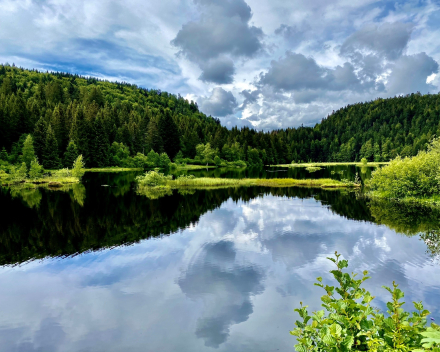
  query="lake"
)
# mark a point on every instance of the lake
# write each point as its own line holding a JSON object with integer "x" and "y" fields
{"x": 100, "y": 268}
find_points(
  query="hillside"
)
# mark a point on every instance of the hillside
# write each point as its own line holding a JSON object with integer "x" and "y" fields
{"x": 94, "y": 114}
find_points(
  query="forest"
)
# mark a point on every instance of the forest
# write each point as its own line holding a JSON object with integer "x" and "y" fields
{"x": 120, "y": 124}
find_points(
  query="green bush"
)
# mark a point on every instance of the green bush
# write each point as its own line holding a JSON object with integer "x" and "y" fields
{"x": 417, "y": 176}
{"x": 153, "y": 179}
{"x": 364, "y": 161}
{"x": 349, "y": 322}
{"x": 18, "y": 174}
{"x": 35, "y": 170}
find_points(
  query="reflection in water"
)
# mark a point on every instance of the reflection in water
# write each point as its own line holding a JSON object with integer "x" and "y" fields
{"x": 228, "y": 278}
{"x": 225, "y": 285}
{"x": 410, "y": 220}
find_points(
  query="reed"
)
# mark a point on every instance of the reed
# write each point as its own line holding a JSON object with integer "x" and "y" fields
{"x": 206, "y": 182}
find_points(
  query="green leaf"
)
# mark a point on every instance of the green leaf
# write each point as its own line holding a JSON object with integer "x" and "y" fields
{"x": 335, "y": 330}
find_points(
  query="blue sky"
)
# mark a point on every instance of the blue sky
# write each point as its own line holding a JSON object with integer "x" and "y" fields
{"x": 261, "y": 63}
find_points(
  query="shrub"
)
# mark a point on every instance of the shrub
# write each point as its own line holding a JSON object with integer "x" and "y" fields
{"x": 416, "y": 176}
{"x": 351, "y": 323}
{"x": 364, "y": 161}
{"x": 36, "y": 170}
{"x": 18, "y": 174}
{"x": 153, "y": 179}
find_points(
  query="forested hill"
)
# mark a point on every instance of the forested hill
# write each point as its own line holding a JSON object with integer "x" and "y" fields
{"x": 59, "y": 108}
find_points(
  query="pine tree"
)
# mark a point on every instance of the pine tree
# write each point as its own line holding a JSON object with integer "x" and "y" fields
{"x": 39, "y": 136}
{"x": 28, "y": 153}
{"x": 70, "y": 155}
{"x": 154, "y": 140}
{"x": 51, "y": 159}
{"x": 101, "y": 146}
{"x": 169, "y": 134}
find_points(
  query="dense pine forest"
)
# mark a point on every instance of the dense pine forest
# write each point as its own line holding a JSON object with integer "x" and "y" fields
{"x": 115, "y": 124}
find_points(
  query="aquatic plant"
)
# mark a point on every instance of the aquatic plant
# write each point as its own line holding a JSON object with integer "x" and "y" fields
{"x": 350, "y": 322}
{"x": 153, "y": 178}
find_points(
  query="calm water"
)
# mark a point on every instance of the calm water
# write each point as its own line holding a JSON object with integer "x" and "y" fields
{"x": 102, "y": 269}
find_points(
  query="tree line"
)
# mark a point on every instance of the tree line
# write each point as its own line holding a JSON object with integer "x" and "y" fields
{"x": 112, "y": 123}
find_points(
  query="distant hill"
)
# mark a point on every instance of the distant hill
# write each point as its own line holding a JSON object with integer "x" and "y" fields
{"x": 95, "y": 113}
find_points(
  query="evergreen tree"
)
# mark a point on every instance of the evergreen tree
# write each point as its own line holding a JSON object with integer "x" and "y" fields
{"x": 169, "y": 134}
{"x": 70, "y": 155}
{"x": 154, "y": 140}
{"x": 35, "y": 170}
{"x": 39, "y": 136}
{"x": 101, "y": 146}
{"x": 28, "y": 153}
{"x": 51, "y": 159}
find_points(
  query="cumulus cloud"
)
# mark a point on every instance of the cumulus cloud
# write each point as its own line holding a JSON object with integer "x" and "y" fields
{"x": 223, "y": 29}
{"x": 410, "y": 73}
{"x": 220, "y": 70}
{"x": 387, "y": 40}
{"x": 297, "y": 72}
{"x": 220, "y": 103}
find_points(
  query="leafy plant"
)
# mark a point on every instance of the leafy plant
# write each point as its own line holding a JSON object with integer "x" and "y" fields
{"x": 78, "y": 167}
{"x": 416, "y": 176}
{"x": 349, "y": 322}
{"x": 35, "y": 170}
{"x": 153, "y": 179}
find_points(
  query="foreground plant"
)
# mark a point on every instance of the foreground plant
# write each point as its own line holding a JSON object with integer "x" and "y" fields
{"x": 349, "y": 322}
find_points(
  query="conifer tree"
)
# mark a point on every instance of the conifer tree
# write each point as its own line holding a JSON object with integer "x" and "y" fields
{"x": 101, "y": 146}
{"x": 28, "y": 153}
{"x": 51, "y": 159}
{"x": 169, "y": 134}
{"x": 70, "y": 155}
{"x": 154, "y": 140}
{"x": 39, "y": 137}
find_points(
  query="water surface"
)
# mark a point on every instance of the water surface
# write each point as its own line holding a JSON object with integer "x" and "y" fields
{"x": 99, "y": 268}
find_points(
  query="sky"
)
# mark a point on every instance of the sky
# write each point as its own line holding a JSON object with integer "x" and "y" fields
{"x": 266, "y": 64}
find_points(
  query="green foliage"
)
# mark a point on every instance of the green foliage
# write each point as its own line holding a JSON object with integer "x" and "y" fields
{"x": 153, "y": 179}
{"x": 28, "y": 153}
{"x": 96, "y": 113}
{"x": 70, "y": 155}
{"x": 18, "y": 174}
{"x": 417, "y": 176}
{"x": 119, "y": 154}
{"x": 4, "y": 154}
{"x": 51, "y": 159}
{"x": 349, "y": 322}
{"x": 35, "y": 170}
{"x": 364, "y": 161}
{"x": 205, "y": 153}
{"x": 78, "y": 168}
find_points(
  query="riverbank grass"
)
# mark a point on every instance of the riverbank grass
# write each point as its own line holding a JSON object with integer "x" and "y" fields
{"x": 324, "y": 164}
{"x": 113, "y": 169}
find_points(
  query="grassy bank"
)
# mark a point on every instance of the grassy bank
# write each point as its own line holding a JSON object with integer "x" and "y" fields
{"x": 356, "y": 163}
{"x": 194, "y": 167}
{"x": 165, "y": 185}
{"x": 48, "y": 181}
{"x": 113, "y": 169}
{"x": 206, "y": 182}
